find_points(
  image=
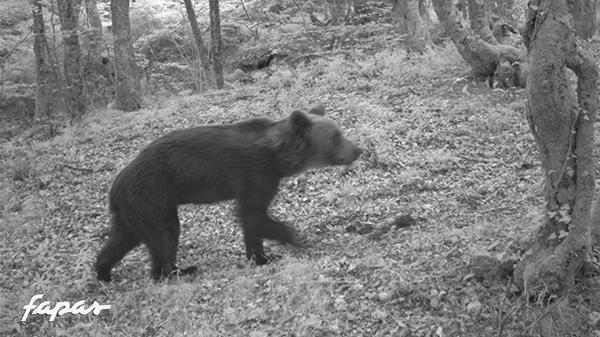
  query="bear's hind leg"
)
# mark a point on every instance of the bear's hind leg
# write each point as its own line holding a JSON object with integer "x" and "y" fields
{"x": 162, "y": 244}
{"x": 121, "y": 240}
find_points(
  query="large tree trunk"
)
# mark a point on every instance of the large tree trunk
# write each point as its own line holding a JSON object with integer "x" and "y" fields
{"x": 128, "y": 91}
{"x": 215, "y": 34}
{"x": 207, "y": 79}
{"x": 45, "y": 95}
{"x": 562, "y": 124}
{"x": 483, "y": 57}
{"x": 68, "y": 11}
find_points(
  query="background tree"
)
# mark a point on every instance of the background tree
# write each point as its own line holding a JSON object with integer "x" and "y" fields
{"x": 485, "y": 58}
{"x": 562, "y": 123}
{"x": 490, "y": 25}
{"x": 359, "y": 11}
{"x": 412, "y": 17}
{"x": 68, "y": 11}
{"x": 502, "y": 8}
{"x": 206, "y": 77}
{"x": 94, "y": 33}
{"x": 128, "y": 91}
{"x": 215, "y": 34}
{"x": 338, "y": 11}
{"x": 45, "y": 80}
{"x": 480, "y": 20}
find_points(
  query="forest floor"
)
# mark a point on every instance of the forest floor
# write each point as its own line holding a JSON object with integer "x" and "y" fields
{"x": 453, "y": 154}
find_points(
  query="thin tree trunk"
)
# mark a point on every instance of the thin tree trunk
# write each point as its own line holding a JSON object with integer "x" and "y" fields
{"x": 337, "y": 9}
{"x": 75, "y": 99}
{"x": 215, "y": 34}
{"x": 93, "y": 19}
{"x": 424, "y": 12}
{"x": 358, "y": 9}
{"x": 128, "y": 91}
{"x": 412, "y": 18}
{"x": 595, "y": 230}
{"x": 502, "y": 8}
{"x": 418, "y": 33}
{"x": 397, "y": 14}
{"x": 45, "y": 94}
{"x": 563, "y": 126}
{"x": 207, "y": 79}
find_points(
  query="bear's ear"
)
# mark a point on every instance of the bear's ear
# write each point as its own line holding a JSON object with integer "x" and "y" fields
{"x": 317, "y": 109}
{"x": 300, "y": 122}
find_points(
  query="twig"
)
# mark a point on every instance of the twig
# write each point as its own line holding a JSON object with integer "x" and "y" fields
{"x": 495, "y": 209}
{"x": 74, "y": 167}
{"x": 570, "y": 150}
{"x": 287, "y": 319}
{"x": 7, "y": 55}
{"x": 245, "y": 11}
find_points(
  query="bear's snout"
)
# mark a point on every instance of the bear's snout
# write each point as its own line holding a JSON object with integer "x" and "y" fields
{"x": 348, "y": 156}
{"x": 356, "y": 153}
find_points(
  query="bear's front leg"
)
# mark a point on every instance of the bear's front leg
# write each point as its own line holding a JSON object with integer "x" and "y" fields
{"x": 254, "y": 249}
{"x": 257, "y": 225}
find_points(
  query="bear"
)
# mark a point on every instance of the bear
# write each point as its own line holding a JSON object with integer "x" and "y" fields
{"x": 244, "y": 161}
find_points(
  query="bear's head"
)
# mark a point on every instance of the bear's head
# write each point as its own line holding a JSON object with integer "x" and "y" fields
{"x": 322, "y": 141}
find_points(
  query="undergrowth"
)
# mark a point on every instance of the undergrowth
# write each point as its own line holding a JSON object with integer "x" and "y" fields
{"x": 454, "y": 155}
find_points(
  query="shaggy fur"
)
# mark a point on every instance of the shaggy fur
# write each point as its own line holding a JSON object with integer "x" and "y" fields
{"x": 244, "y": 161}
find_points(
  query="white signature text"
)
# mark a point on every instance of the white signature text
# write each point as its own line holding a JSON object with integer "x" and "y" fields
{"x": 60, "y": 308}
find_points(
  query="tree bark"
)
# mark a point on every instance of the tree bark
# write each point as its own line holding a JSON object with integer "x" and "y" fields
{"x": 358, "y": 10}
{"x": 409, "y": 15}
{"x": 207, "y": 79}
{"x": 337, "y": 9}
{"x": 480, "y": 21}
{"x": 68, "y": 11}
{"x": 412, "y": 18}
{"x": 584, "y": 17}
{"x": 215, "y": 34}
{"x": 424, "y": 12}
{"x": 93, "y": 20}
{"x": 562, "y": 124}
{"x": 127, "y": 82}
{"x": 485, "y": 58}
{"x": 595, "y": 230}
{"x": 397, "y": 14}
{"x": 502, "y": 8}
{"x": 45, "y": 95}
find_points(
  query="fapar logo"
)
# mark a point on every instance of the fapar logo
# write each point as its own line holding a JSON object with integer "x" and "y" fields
{"x": 61, "y": 308}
